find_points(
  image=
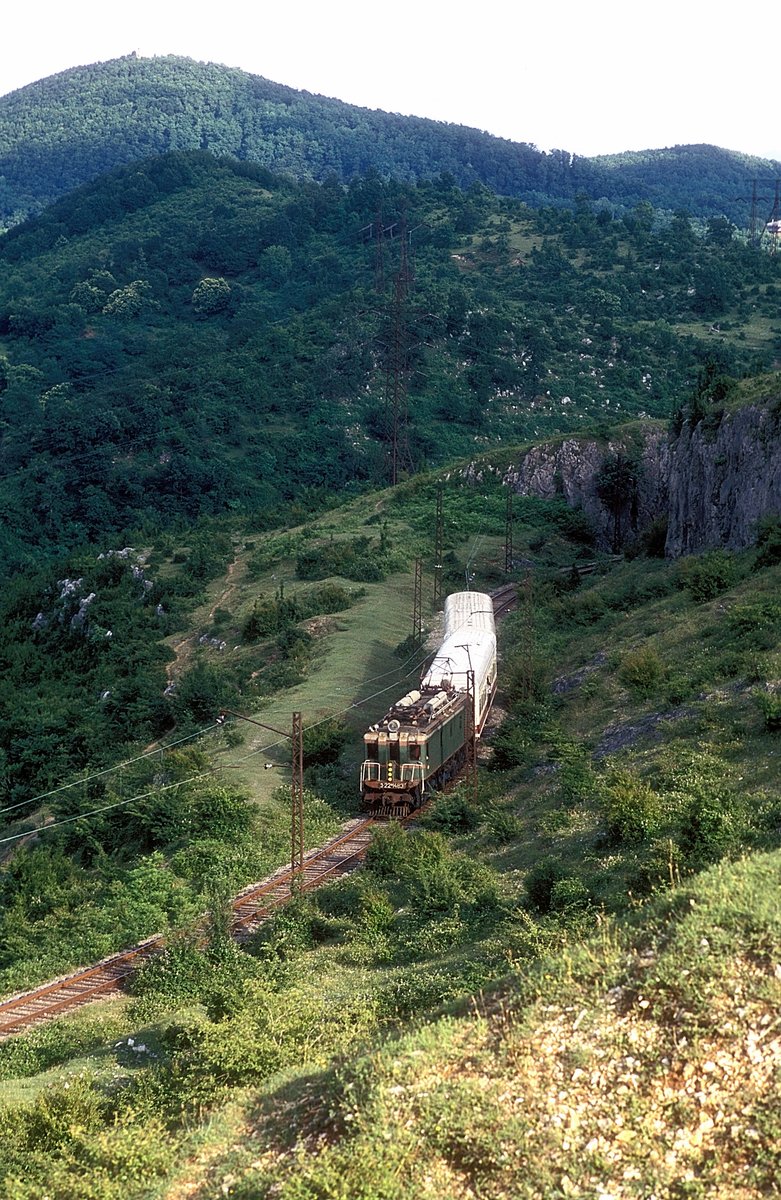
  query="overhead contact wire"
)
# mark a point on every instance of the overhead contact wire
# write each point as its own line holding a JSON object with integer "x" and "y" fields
{"x": 108, "y": 770}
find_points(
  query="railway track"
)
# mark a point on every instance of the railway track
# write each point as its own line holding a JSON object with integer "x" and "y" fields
{"x": 251, "y": 907}
{"x": 339, "y": 856}
{"x": 504, "y": 599}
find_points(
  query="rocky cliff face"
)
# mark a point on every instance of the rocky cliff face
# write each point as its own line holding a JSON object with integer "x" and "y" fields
{"x": 574, "y": 469}
{"x": 711, "y": 484}
{"x": 722, "y": 481}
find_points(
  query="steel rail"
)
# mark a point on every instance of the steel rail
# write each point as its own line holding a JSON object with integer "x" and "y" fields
{"x": 71, "y": 992}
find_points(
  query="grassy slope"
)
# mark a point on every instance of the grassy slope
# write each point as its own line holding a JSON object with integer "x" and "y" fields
{"x": 644, "y": 1061}
{"x": 631, "y": 1048}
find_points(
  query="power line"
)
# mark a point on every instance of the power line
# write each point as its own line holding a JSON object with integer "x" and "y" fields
{"x": 183, "y": 782}
{"x": 108, "y": 770}
{"x": 106, "y": 807}
{"x": 203, "y": 774}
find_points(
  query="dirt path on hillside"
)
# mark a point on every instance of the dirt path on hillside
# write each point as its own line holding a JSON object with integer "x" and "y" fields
{"x": 184, "y": 646}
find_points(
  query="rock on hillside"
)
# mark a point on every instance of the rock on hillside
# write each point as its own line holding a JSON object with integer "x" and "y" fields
{"x": 573, "y": 468}
{"x": 721, "y": 482}
{"x": 711, "y": 483}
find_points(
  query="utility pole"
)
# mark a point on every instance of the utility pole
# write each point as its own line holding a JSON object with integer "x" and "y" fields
{"x": 398, "y": 365}
{"x": 297, "y": 802}
{"x": 527, "y": 676}
{"x": 752, "y": 233}
{"x": 417, "y": 604}
{"x": 471, "y": 739}
{"x": 379, "y": 255}
{"x": 508, "y": 533}
{"x": 773, "y": 226}
{"x": 439, "y": 537}
{"x": 296, "y": 737}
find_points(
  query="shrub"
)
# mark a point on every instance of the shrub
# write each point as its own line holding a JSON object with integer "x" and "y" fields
{"x": 505, "y": 826}
{"x": 769, "y": 540}
{"x": 632, "y": 809}
{"x": 453, "y": 813}
{"x": 713, "y": 817}
{"x": 202, "y": 692}
{"x": 330, "y": 598}
{"x": 654, "y": 538}
{"x": 540, "y": 882}
{"x": 585, "y": 609}
{"x": 756, "y": 625}
{"x": 179, "y": 975}
{"x": 574, "y": 525}
{"x": 324, "y": 741}
{"x": 569, "y": 895}
{"x": 769, "y": 704}
{"x": 524, "y": 681}
{"x": 578, "y": 784}
{"x": 359, "y": 559}
{"x": 513, "y": 745}
{"x": 413, "y": 990}
{"x": 705, "y": 576}
{"x": 374, "y": 925}
{"x": 388, "y": 852}
{"x": 288, "y": 933}
{"x": 642, "y": 670}
{"x": 707, "y": 829}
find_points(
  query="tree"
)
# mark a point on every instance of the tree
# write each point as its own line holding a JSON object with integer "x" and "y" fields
{"x": 130, "y": 301}
{"x": 616, "y": 486}
{"x": 211, "y": 296}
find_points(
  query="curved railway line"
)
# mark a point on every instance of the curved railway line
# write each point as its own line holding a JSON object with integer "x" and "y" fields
{"x": 251, "y": 907}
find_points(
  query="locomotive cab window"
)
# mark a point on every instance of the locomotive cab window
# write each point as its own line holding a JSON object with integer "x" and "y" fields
{"x": 371, "y": 748}
{"x": 414, "y": 751}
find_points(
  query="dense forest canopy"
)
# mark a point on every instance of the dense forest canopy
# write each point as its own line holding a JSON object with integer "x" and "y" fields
{"x": 189, "y": 336}
{"x": 71, "y": 127}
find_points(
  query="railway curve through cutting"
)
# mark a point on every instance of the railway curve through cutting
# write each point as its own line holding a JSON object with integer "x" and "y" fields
{"x": 251, "y": 907}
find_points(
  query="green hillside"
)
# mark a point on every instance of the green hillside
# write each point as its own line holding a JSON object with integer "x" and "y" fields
{"x": 567, "y": 986}
{"x": 71, "y": 127}
{"x": 570, "y": 984}
{"x": 188, "y": 337}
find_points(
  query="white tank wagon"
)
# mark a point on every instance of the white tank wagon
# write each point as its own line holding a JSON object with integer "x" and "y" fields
{"x": 421, "y": 741}
{"x": 469, "y": 646}
{"x": 469, "y": 610}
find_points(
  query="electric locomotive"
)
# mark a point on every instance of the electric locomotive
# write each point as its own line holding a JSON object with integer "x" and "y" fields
{"x": 421, "y": 742}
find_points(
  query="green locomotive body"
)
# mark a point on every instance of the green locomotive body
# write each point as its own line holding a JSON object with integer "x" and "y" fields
{"x": 419, "y": 744}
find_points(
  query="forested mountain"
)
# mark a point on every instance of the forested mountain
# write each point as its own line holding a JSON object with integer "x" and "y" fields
{"x": 189, "y": 336}
{"x": 204, "y": 369}
{"x": 71, "y": 127}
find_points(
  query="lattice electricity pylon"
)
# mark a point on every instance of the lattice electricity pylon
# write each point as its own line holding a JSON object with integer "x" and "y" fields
{"x": 296, "y": 787}
{"x": 379, "y": 255}
{"x": 417, "y": 604}
{"x": 398, "y": 363}
{"x": 470, "y": 743}
{"x": 508, "y": 534}
{"x": 439, "y": 537}
{"x": 297, "y": 803}
{"x": 753, "y": 216}
{"x": 773, "y": 225}
{"x": 527, "y": 636}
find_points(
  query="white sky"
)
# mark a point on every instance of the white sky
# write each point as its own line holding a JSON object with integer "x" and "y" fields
{"x": 592, "y": 78}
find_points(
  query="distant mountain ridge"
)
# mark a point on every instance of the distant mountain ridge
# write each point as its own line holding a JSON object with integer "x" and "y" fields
{"x": 71, "y": 127}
